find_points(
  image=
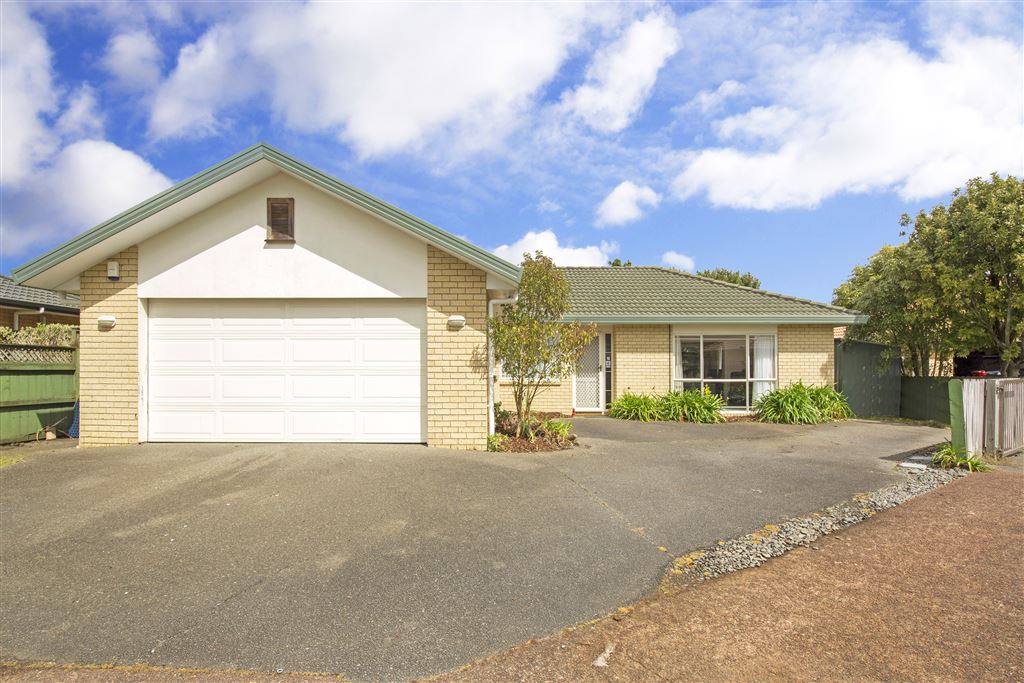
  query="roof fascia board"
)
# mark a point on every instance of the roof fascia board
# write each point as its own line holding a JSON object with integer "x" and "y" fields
{"x": 838, "y": 319}
{"x": 126, "y": 219}
{"x": 204, "y": 179}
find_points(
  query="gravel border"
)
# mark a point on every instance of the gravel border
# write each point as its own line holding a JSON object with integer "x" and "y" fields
{"x": 773, "y": 540}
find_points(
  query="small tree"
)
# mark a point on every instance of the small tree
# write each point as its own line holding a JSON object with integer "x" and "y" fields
{"x": 530, "y": 339}
{"x": 733, "y": 276}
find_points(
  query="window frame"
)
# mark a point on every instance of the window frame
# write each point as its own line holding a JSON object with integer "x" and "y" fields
{"x": 276, "y": 235}
{"x": 678, "y": 383}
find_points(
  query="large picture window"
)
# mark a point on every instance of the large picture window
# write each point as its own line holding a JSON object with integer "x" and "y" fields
{"x": 737, "y": 367}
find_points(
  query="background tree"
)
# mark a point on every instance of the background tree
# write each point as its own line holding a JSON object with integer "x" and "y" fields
{"x": 619, "y": 262}
{"x": 733, "y": 276}
{"x": 955, "y": 286}
{"x": 904, "y": 305}
{"x": 530, "y": 340}
{"x": 974, "y": 250}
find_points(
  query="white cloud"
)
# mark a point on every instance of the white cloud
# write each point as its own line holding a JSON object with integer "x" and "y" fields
{"x": 676, "y": 260}
{"x": 88, "y": 182}
{"x": 621, "y": 76}
{"x": 548, "y": 206}
{"x": 563, "y": 255}
{"x": 869, "y": 116}
{"x": 81, "y": 118}
{"x": 27, "y": 95}
{"x": 134, "y": 59}
{"x": 626, "y": 203}
{"x": 708, "y": 101}
{"x": 450, "y": 74}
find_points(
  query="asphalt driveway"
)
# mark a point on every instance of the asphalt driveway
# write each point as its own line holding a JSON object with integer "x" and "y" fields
{"x": 386, "y": 562}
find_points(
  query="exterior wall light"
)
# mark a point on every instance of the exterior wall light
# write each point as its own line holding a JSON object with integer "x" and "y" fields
{"x": 456, "y": 322}
{"x": 106, "y": 322}
{"x": 113, "y": 271}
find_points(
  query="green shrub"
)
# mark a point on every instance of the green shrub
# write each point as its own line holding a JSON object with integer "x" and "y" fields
{"x": 692, "y": 405}
{"x": 557, "y": 431}
{"x": 790, "y": 405}
{"x": 495, "y": 442}
{"x": 640, "y": 407}
{"x": 504, "y": 420}
{"x": 831, "y": 403}
{"x": 44, "y": 334}
{"x": 948, "y": 457}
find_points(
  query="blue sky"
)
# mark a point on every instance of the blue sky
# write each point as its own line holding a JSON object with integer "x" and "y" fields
{"x": 783, "y": 139}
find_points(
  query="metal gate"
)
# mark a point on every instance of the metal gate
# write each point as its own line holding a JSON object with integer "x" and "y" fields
{"x": 992, "y": 414}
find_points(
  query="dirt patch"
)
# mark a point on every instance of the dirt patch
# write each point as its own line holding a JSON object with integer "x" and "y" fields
{"x": 930, "y": 590}
{"x": 540, "y": 444}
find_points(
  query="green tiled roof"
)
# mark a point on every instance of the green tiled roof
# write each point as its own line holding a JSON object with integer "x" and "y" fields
{"x": 651, "y": 294}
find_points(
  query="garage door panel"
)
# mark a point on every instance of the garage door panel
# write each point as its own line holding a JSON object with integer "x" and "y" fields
{"x": 391, "y": 351}
{"x": 252, "y": 387}
{"x": 243, "y": 425}
{"x": 336, "y": 424}
{"x": 247, "y": 351}
{"x": 182, "y": 387}
{"x": 182, "y": 351}
{"x": 324, "y": 386}
{"x": 393, "y": 387}
{"x": 286, "y": 370}
{"x": 333, "y": 351}
{"x": 382, "y": 423}
{"x": 181, "y": 425}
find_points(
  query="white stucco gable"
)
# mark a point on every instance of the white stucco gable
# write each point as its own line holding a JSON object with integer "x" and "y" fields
{"x": 339, "y": 251}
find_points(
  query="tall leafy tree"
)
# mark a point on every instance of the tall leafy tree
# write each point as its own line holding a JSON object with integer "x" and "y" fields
{"x": 904, "y": 305}
{"x": 974, "y": 249}
{"x": 733, "y": 276}
{"x": 530, "y": 339}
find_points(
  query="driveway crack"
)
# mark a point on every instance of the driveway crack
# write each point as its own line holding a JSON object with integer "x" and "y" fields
{"x": 614, "y": 511}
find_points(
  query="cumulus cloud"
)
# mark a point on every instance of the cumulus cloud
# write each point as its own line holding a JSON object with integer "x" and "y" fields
{"x": 626, "y": 203}
{"x": 28, "y": 95}
{"x": 97, "y": 180}
{"x": 461, "y": 74}
{"x": 621, "y": 76}
{"x": 81, "y": 118}
{"x": 563, "y": 255}
{"x": 134, "y": 58}
{"x": 708, "y": 101}
{"x": 674, "y": 259}
{"x": 869, "y": 116}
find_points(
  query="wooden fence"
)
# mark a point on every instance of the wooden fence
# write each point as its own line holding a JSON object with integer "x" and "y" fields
{"x": 38, "y": 390}
{"x": 988, "y": 415}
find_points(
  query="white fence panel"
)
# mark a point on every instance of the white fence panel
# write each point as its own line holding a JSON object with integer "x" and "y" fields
{"x": 1008, "y": 420}
{"x": 974, "y": 415}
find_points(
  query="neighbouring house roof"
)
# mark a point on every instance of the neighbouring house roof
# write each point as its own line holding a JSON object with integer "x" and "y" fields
{"x": 20, "y": 296}
{"x": 193, "y": 194}
{"x": 649, "y": 294}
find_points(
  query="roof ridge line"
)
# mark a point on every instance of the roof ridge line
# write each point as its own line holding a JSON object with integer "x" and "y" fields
{"x": 787, "y": 297}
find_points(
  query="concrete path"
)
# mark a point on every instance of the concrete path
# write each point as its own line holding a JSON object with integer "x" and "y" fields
{"x": 385, "y": 562}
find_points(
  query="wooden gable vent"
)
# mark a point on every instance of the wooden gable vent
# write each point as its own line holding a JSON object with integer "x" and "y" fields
{"x": 280, "y": 219}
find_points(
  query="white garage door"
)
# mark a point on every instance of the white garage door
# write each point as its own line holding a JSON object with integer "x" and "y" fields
{"x": 310, "y": 370}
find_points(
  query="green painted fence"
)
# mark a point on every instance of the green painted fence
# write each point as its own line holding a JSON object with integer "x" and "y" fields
{"x": 869, "y": 375}
{"x": 38, "y": 389}
{"x": 925, "y": 398}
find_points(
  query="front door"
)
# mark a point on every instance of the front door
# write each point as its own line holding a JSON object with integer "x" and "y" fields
{"x": 588, "y": 377}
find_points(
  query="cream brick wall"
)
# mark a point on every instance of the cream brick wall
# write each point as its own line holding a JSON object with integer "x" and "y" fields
{"x": 641, "y": 359}
{"x": 806, "y": 354}
{"x": 456, "y": 359}
{"x": 108, "y": 376}
{"x": 551, "y": 398}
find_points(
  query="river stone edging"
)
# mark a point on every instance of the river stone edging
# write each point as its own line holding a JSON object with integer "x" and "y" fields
{"x": 773, "y": 540}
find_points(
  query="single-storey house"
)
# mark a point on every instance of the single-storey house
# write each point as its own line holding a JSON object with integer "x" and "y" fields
{"x": 22, "y": 306}
{"x": 263, "y": 300}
